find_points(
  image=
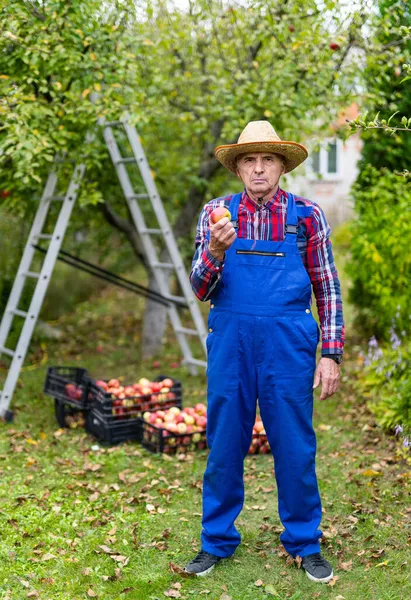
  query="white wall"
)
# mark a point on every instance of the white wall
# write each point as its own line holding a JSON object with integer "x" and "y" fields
{"x": 331, "y": 192}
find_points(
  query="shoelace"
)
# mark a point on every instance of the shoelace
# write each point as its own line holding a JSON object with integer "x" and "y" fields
{"x": 315, "y": 560}
{"x": 200, "y": 556}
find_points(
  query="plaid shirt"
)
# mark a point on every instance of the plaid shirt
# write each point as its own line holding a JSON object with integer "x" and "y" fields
{"x": 267, "y": 222}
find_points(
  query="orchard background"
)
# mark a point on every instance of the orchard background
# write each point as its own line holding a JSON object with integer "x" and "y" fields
{"x": 192, "y": 75}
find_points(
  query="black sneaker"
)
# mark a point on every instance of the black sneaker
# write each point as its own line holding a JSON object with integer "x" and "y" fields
{"x": 202, "y": 564}
{"x": 317, "y": 568}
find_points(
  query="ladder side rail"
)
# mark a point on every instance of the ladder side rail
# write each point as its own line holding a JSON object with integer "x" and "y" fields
{"x": 27, "y": 258}
{"x": 139, "y": 223}
{"x": 169, "y": 238}
{"x": 41, "y": 288}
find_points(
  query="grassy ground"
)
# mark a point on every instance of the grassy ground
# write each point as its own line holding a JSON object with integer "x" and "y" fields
{"x": 83, "y": 521}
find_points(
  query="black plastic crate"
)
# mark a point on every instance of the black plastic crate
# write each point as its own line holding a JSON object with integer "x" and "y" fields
{"x": 160, "y": 440}
{"x": 113, "y": 432}
{"x": 114, "y": 422}
{"x": 67, "y": 384}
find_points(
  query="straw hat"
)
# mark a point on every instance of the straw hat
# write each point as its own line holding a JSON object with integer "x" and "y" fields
{"x": 260, "y": 136}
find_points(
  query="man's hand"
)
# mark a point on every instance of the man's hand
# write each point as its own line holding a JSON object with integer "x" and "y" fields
{"x": 222, "y": 235}
{"x": 328, "y": 373}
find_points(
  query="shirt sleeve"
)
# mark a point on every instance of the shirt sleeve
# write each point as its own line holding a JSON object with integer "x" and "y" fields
{"x": 206, "y": 270}
{"x": 326, "y": 285}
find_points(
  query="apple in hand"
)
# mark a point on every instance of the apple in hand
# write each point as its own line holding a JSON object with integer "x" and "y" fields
{"x": 219, "y": 213}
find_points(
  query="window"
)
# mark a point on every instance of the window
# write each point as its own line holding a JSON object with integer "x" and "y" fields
{"x": 326, "y": 161}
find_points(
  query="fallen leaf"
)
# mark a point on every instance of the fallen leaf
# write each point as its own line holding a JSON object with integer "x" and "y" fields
{"x": 345, "y": 566}
{"x": 225, "y": 597}
{"x": 383, "y": 564}
{"x": 33, "y": 594}
{"x": 258, "y": 583}
{"x": 177, "y": 570}
{"x": 172, "y": 594}
{"x": 371, "y": 473}
{"x": 333, "y": 581}
{"x": 107, "y": 550}
{"x": 47, "y": 556}
{"x": 176, "y": 585}
{"x": 323, "y": 427}
{"x": 270, "y": 590}
{"x": 86, "y": 571}
{"x": 298, "y": 561}
{"x": 91, "y": 593}
{"x": 150, "y": 507}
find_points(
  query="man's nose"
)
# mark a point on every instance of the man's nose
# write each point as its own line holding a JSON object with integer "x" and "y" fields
{"x": 259, "y": 166}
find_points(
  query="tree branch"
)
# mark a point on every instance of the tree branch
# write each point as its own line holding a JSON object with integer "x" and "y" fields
{"x": 126, "y": 227}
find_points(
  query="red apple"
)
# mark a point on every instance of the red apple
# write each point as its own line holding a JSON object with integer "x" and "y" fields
{"x": 200, "y": 408}
{"x": 182, "y": 428}
{"x": 334, "y": 46}
{"x": 114, "y": 383}
{"x": 219, "y": 213}
{"x": 168, "y": 382}
{"x": 102, "y": 384}
{"x": 202, "y": 422}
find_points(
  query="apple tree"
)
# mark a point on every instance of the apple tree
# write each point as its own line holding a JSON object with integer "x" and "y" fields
{"x": 191, "y": 77}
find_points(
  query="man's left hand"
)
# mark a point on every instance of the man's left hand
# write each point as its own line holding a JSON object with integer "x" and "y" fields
{"x": 328, "y": 374}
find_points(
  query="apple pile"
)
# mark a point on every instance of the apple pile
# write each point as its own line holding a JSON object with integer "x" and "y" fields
{"x": 259, "y": 442}
{"x": 73, "y": 391}
{"x": 182, "y": 429}
{"x": 131, "y": 400}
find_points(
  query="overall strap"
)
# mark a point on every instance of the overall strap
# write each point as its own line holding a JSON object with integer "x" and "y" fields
{"x": 233, "y": 207}
{"x": 292, "y": 218}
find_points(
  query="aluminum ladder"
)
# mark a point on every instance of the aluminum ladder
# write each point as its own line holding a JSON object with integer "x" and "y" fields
{"x": 160, "y": 270}
{"x": 43, "y": 277}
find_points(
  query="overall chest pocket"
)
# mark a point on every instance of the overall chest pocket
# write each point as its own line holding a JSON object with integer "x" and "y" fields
{"x": 261, "y": 258}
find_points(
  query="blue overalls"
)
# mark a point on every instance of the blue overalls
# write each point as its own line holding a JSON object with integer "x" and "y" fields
{"x": 262, "y": 345}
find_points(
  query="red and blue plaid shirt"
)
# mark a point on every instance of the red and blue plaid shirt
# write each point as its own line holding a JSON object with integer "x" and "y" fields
{"x": 266, "y": 222}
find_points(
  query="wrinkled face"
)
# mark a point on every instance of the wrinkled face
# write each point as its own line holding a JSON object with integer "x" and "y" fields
{"x": 260, "y": 172}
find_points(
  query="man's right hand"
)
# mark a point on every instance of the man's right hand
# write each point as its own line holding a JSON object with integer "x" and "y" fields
{"x": 222, "y": 235}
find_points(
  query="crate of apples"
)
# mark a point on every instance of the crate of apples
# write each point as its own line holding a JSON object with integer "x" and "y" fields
{"x": 174, "y": 430}
{"x": 259, "y": 442}
{"x": 118, "y": 402}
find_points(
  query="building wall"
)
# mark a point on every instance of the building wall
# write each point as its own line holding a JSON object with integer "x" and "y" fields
{"x": 332, "y": 191}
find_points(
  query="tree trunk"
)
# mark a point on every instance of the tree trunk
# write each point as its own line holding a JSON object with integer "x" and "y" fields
{"x": 154, "y": 324}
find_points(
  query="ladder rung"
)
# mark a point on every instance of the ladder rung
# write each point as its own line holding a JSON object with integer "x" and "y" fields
{"x": 19, "y": 313}
{"x": 113, "y": 123}
{"x": 151, "y": 231}
{"x": 180, "y": 299}
{"x": 128, "y": 159}
{"x": 57, "y": 198}
{"x": 138, "y": 197}
{"x": 195, "y": 361}
{"x": 186, "y": 331}
{"x": 6, "y": 351}
{"x": 44, "y": 236}
{"x": 32, "y": 274}
{"x": 160, "y": 265}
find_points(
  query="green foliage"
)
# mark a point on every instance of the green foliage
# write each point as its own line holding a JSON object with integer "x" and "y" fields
{"x": 388, "y": 90}
{"x": 385, "y": 381}
{"x": 380, "y": 266}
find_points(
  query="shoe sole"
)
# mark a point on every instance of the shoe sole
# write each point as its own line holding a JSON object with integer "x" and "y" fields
{"x": 317, "y": 580}
{"x": 203, "y": 573}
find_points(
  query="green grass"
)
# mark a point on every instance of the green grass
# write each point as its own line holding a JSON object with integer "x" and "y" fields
{"x": 61, "y": 499}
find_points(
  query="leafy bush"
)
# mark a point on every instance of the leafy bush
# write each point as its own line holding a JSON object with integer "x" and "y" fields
{"x": 380, "y": 264}
{"x": 386, "y": 381}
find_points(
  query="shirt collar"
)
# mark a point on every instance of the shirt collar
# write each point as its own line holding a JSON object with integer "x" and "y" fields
{"x": 273, "y": 204}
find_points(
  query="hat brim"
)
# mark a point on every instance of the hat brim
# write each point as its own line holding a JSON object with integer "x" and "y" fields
{"x": 293, "y": 153}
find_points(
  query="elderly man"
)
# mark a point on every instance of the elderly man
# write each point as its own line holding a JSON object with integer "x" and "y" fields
{"x": 258, "y": 270}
